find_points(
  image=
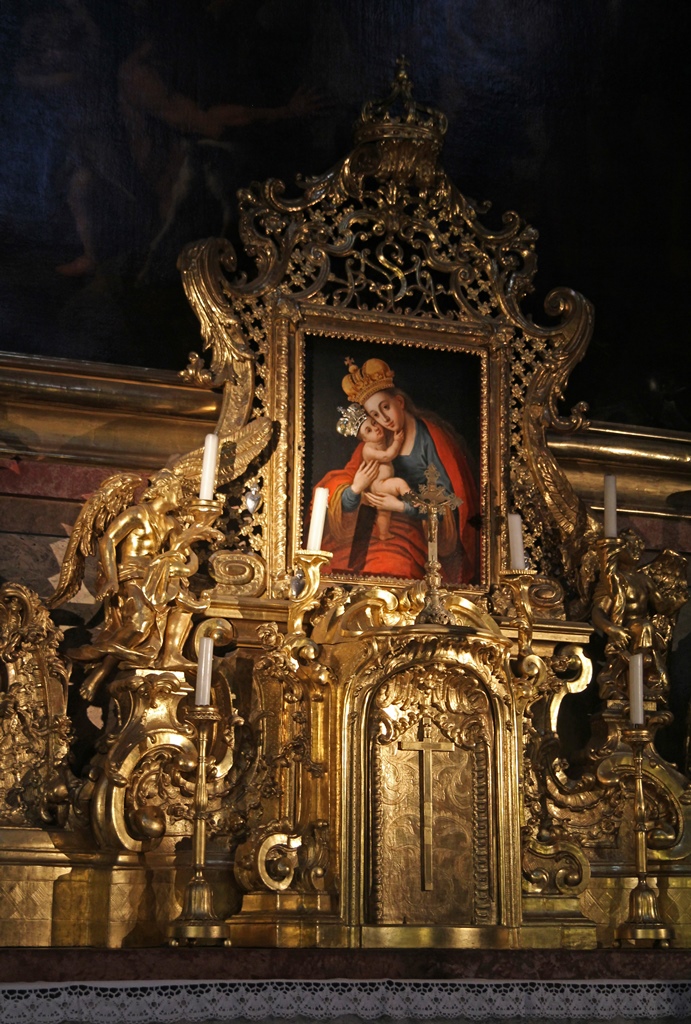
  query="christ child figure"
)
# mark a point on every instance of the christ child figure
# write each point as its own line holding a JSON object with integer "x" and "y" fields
{"x": 377, "y": 457}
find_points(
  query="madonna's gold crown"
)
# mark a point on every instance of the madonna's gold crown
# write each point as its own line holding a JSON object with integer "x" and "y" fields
{"x": 399, "y": 116}
{"x": 361, "y": 384}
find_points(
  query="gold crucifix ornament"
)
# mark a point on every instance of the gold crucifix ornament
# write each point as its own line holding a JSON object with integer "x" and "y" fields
{"x": 433, "y": 500}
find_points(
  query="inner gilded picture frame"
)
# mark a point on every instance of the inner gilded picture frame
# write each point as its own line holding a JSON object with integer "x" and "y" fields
{"x": 397, "y": 407}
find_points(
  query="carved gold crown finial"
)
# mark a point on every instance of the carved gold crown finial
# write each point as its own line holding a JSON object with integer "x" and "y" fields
{"x": 399, "y": 116}
{"x": 360, "y": 384}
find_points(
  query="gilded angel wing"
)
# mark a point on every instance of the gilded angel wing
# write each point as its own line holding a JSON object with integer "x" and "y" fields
{"x": 115, "y": 494}
{"x": 240, "y": 447}
{"x": 235, "y": 452}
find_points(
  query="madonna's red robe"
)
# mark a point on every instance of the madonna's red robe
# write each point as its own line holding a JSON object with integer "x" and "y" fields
{"x": 405, "y": 553}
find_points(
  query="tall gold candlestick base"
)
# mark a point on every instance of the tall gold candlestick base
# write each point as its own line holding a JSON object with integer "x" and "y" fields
{"x": 198, "y": 923}
{"x": 644, "y": 926}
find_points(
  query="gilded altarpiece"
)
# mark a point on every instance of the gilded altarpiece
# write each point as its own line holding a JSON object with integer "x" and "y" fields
{"x": 378, "y": 758}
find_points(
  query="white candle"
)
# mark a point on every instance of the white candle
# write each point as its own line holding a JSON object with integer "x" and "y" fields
{"x": 516, "y": 551}
{"x": 636, "y": 713}
{"x": 610, "y": 505}
{"x": 208, "y": 481}
{"x": 206, "y": 654}
{"x": 319, "y": 505}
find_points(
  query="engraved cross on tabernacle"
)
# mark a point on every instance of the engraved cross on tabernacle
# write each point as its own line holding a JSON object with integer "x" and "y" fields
{"x": 426, "y": 746}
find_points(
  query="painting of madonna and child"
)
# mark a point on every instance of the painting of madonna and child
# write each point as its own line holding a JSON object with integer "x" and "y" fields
{"x": 377, "y": 416}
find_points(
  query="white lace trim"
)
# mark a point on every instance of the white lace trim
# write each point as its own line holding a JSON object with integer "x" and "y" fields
{"x": 193, "y": 1002}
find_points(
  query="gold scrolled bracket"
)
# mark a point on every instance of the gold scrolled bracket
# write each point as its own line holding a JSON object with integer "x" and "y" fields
{"x": 221, "y": 631}
{"x": 277, "y": 860}
{"x": 516, "y": 587}
{"x": 304, "y": 586}
{"x": 283, "y": 859}
{"x": 147, "y": 702}
{"x": 203, "y": 266}
{"x": 524, "y": 596}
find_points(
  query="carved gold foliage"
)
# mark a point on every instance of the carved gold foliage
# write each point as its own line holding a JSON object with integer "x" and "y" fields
{"x": 456, "y": 703}
{"x": 35, "y": 733}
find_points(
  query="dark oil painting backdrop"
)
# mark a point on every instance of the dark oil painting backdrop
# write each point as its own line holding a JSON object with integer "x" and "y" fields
{"x": 129, "y": 125}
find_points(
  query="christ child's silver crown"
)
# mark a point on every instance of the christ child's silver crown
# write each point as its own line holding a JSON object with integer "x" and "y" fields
{"x": 351, "y": 419}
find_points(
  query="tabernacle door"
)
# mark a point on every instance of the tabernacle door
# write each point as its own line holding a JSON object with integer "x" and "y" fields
{"x": 432, "y": 829}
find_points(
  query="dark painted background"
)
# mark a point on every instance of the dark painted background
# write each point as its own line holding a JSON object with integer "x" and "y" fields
{"x": 573, "y": 112}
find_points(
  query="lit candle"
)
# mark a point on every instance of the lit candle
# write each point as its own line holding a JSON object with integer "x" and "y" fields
{"x": 319, "y": 506}
{"x": 636, "y": 690}
{"x": 204, "y": 665}
{"x": 610, "y": 505}
{"x": 516, "y": 551}
{"x": 208, "y": 481}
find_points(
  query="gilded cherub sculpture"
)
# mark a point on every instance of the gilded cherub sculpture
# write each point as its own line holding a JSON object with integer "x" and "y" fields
{"x": 146, "y": 558}
{"x": 635, "y": 606}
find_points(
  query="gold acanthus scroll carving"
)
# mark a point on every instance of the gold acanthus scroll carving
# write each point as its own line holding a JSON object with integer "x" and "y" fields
{"x": 36, "y": 779}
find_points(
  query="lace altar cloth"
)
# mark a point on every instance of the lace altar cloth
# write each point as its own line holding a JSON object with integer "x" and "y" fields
{"x": 209, "y": 1002}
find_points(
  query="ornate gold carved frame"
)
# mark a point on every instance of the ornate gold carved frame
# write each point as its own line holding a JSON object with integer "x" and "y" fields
{"x": 383, "y": 339}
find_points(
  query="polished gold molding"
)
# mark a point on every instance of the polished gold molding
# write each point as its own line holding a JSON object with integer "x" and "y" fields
{"x": 98, "y": 413}
{"x": 653, "y": 467}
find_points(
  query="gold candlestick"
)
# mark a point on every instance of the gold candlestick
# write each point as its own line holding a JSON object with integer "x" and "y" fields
{"x": 644, "y": 925}
{"x": 197, "y": 922}
{"x": 433, "y": 500}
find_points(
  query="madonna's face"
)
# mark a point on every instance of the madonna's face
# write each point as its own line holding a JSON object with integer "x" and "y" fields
{"x": 387, "y": 409}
